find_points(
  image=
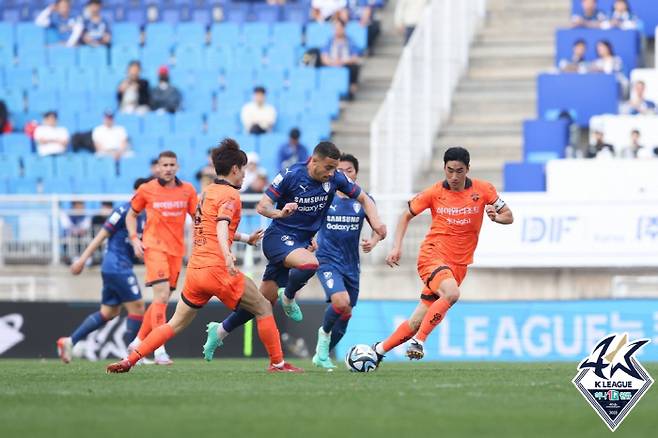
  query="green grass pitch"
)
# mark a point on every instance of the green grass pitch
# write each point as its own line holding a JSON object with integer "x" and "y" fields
{"x": 237, "y": 398}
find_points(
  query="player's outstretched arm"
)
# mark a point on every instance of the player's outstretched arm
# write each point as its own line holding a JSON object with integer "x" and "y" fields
{"x": 266, "y": 208}
{"x": 373, "y": 216}
{"x": 393, "y": 257}
{"x": 131, "y": 226}
{"x": 250, "y": 239}
{"x": 504, "y": 216}
{"x": 78, "y": 266}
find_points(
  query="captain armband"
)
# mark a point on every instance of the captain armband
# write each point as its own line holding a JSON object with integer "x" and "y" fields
{"x": 498, "y": 204}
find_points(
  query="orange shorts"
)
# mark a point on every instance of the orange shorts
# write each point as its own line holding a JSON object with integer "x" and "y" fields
{"x": 161, "y": 267}
{"x": 201, "y": 284}
{"x": 433, "y": 275}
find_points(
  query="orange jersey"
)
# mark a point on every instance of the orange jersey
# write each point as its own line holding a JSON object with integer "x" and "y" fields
{"x": 456, "y": 220}
{"x": 166, "y": 208}
{"x": 219, "y": 201}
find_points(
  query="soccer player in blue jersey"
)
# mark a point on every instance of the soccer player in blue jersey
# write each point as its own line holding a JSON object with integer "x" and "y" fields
{"x": 297, "y": 202}
{"x": 338, "y": 254}
{"x": 120, "y": 286}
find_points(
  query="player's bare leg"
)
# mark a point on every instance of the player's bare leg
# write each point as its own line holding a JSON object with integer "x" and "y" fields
{"x": 403, "y": 332}
{"x": 448, "y": 295}
{"x": 182, "y": 318}
{"x": 302, "y": 264}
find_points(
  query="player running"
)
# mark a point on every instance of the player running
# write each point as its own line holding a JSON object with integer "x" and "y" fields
{"x": 338, "y": 254}
{"x": 211, "y": 270}
{"x": 457, "y": 205}
{"x": 297, "y": 201}
{"x": 120, "y": 286}
{"x": 166, "y": 200}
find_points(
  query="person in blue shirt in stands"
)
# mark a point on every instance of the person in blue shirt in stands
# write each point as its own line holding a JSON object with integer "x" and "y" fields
{"x": 94, "y": 30}
{"x": 292, "y": 151}
{"x": 120, "y": 286}
{"x": 341, "y": 52}
{"x": 591, "y": 16}
{"x": 57, "y": 19}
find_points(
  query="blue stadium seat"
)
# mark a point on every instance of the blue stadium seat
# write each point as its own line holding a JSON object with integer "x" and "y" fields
{"x": 132, "y": 123}
{"x": 10, "y": 165}
{"x": 6, "y": 56}
{"x": 247, "y": 142}
{"x": 271, "y": 79}
{"x": 256, "y": 34}
{"x": 125, "y": 34}
{"x": 324, "y": 103}
{"x": 201, "y": 14}
{"x": 111, "y": 77}
{"x": 71, "y": 166}
{"x": 170, "y": 15}
{"x": 295, "y": 13}
{"x": 136, "y": 15}
{"x": 103, "y": 167}
{"x": 335, "y": 78}
{"x": 358, "y": 34}
{"x": 67, "y": 117}
{"x": 217, "y": 58}
{"x": 160, "y": 34}
{"x": 102, "y": 101}
{"x": 318, "y": 124}
{"x": 282, "y": 57}
{"x": 190, "y": 57}
{"x": 153, "y": 123}
{"x": 29, "y": 35}
{"x": 93, "y": 57}
{"x": 146, "y": 144}
{"x": 268, "y": 151}
{"x": 318, "y": 34}
{"x": 287, "y": 33}
{"x": 19, "y": 78}
{"x": 303, "y": 78}
{"x": 7, "y": 36}
{"x": 13, "y": 99}
{"x": 121, "y": 55}
{"x": 153, "y": 57}
{"x": 225, "y": 35}
{"x": 219, "y": 125}
{"x": 31, "y": 57}
{"x": 524, "y": 177}
{"x": 83, "y": 79}
{"x": 89, "y": 186}
{"x": 42, "y": 100}
{"x": 16, "y": 144}
{"x": 35, "y": 166}
{"x": 134, "y": 167}
{"x": 56, "y": 185}
{"x": 236, "y": 12}
{"x": 239, "y": 80}
{"x": 88, "y": 120}
{"x": 544, "y": 140}
{"x": 188, "y": 123}
{"x": 286, "y": 120}
{"x": 248, "y": 58}
{"x": 193, "y": 33}
{"x": 119, "y": 186}
{"x": 198, "y": 100}
{"x": 181, "y": 144}
{"x": 60, "y": 56}
{"x": 265, "y": 13}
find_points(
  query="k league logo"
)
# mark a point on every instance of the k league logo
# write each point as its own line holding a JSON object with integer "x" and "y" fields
{"x": 612, "y": 380}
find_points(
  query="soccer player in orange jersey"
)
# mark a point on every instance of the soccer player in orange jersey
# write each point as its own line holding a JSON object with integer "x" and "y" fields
{"x": 211, "y": 270}
{"x": 167, "y": 200}
{"x": 457, "y": 205}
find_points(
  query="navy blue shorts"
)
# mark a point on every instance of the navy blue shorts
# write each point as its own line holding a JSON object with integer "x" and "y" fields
{"x": 276, "y": 247}
{"x": 333, "y": 281}
{"x": 120, "y": 288}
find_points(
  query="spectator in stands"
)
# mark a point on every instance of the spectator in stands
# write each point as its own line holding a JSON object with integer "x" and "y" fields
{"x": 607, "y": 62}
{"x": 251, "y": 170}
{"x": 5, "y": 124}
{"x": 591, "y": 16}
{"x": 258, "y": 185}
{"x": 133, "y": 92}
{"x": 258, "y": 117}
{"x": 364, "y": 13}
{"x": 600, "y": 149}
{"x": 207, "y": 174}
{"x": 154, "y": 169}
{"x": 635, "y": 149}
{"x": 58, "y": 20}
{"x": 407, "y": 16}
{"x": 325, "y": 10}
{"x": 341, "y": 52}
{"x": 50, "y": 138}
{"x": 638, "y": 104}
{"x": 292, "y": 151}
{"x": 164, "y": 96}
{"x": 75, "y": 224}
{"x": 621, "y": 17}
{"x": 94, "y": 30}
{"x": 577, "y": 63}
{"x": 109, "y": 138}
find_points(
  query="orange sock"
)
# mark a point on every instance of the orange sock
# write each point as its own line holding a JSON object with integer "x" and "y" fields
{"x": 433, "y": 317}
{"x": 401, "y": 335}
{"x": 269, "y": 336}
{"x": 159, "y": 314}
{"x": 145, "y": 328}
{"x": 158, "y": 337}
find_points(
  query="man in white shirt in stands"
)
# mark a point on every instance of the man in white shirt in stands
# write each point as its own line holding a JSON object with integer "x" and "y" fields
{"x": 258, "y": 117}
{"x": 50, "y": 138}
{"x": 407, "y": 16}
{"x": 110, "y": 139}
{"x": 324, "y": 10}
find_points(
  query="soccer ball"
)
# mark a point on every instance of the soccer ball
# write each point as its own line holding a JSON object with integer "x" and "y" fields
{"x": 361, "y": 358}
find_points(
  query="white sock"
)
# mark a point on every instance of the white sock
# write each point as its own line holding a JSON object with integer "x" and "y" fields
{"x": 160, "y": 350}
{"x": 135, "y": 343}
{"x": 279, "y": 365}
{"x": 287, "y": 301}
{"x": 379, "y": 348}
{"x": 221, "y": 332}
{"x": 418, "y": 341}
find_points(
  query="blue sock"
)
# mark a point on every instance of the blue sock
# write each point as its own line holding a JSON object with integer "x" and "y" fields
{"x": 330, "y": 317}
{"x": 236, "y": 319}
{"x": 298, "y": 277}
{"x": 91, "y": 323}
{"x": 133, "y": 323}
{"x": 338, "y": 331}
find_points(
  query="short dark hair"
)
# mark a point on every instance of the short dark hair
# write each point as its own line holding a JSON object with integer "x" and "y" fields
{"x": 168, "y": 154}
{"x": 154, "y": 161}
{"x": 294, "y": 134}
{"x": 50, "y": 113}
{"x": 107, "y": 204}
{"x": 457, "y": 154}
{"x": 135, "y": 62}
{"x": 580, "y": 41}
{"x": 636, "y": 131}
{"x": 139, "y": 181}
{"x": 608, "y": 46}
{"x": 326, "y": 149}
{"x": 226, "y": 155}
{"x": 351, "y": 159}
{"x": 260, "y": 89}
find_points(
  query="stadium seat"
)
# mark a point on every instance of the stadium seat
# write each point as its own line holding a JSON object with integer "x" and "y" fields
{"x": 236, "y": 12}
{"x": 56, "y": 185}
{"x": 304, "y": 78}
{"x": 7, "y": 36}
{"x": 154, "y": 123}
{"x": 247, "y": 142}
{"x": 268, "y": 151}
{"x": 272, "y": 79}
{"x": 544, "y": 140}
{"x": 132, "y": 123}
{"x": 60, "y": 56}
{"x": 10, "y": 165}
{"x": 93, "y": 57}
{"x": 239, "y": 80}
{"x": 19, "y": 78}
{"x": 524, "y": 177}
{"x": 125, "y": 34}
{"x": 282, "y": 57}
{"x": 153, "y": 57}
{"x": 136, "y": 15}
{"x": 198, "y": 100}
{"x": 121, "y": 55}
{"x": 256, "y": 34}
{"x": 265, "y": 13}
{"x": 35, "y": 166}
{"x": 193, "y": 33}
{"x": 68, "y": 117}
{"x": 318, "y": 34}
{"x": 225, "y": 35}
{"x": 103, "y": 167}
{"x": 82, "y": 79}
{"x": 188, "y": 123}
{"x": 182, "y": 144}
{"x": 6, "y": 56}
{"x": 14, "y": 100}
{"x": 72, "y": 166}
{"x": 90, "y": 186}
{"x": 318, "y": 124}
{"x": 23, "y": 186}
{"x": 219, "y": 125}
{"x": 324, "y": 103}
{"x": 29, "y": 35}
{"x": 31, "y": 57}
{"x": 218, "y": 58}
{"x": 335, "y": 78}
{"x": 88, "y": 120}
{"x": 296, "y": 13}
{"x": 134, "y": 167}
{"x": 52, "y": 78}
{"x": 248, "y": 58}
{"x": 42, "y": 100}
{"x": 286, "y": 120}
{"x": 160, "y": 34}
{"x": 358, "y": 34}
{"x": 148, "y": 145}
{"x": 287, "y": 33}
{"x": 16, "y": 144}
{"x": 190, "y": 57}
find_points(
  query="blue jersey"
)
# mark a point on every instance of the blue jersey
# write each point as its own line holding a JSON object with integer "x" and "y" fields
{"x": 63, "y": 27}
{"x": 313, "y": 198}
{"x": 96, "y": 29}
{"x": 119, "y": 254}
{"x": 338, "y": 238}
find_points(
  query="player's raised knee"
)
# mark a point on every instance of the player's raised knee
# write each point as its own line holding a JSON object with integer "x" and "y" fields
{"x": 341, "y": 304}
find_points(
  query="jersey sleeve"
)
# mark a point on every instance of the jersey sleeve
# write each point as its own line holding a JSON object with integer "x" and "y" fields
{"x": 491, "y": 197}
{"x": 421, "y": 202}
{"x": 138, "y": 203}
{"x": 279, "y": 185}
{"x": 115, "y": 220}
{"x": 345, "y": 185}
{"x": 227, "y": 209}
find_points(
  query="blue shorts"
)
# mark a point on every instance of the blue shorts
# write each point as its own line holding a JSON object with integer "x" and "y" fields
{"x": 120, "y": 288}
{"x": 276, "y": 247}
{"x": 334, "y": 281}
